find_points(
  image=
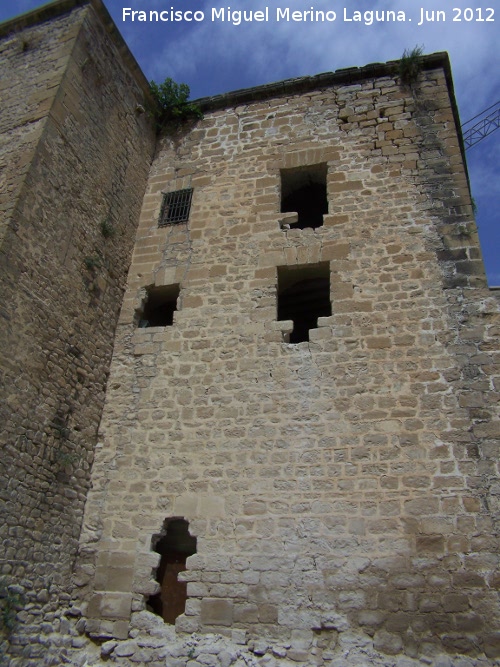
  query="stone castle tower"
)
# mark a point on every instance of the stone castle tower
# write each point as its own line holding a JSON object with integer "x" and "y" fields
{"x": 250, "y": 367}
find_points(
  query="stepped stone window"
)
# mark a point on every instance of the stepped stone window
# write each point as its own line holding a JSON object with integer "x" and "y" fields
{"x": 176, "y": 207}
{"x": 174, "y": 544}
{"x": 159, "y": 307}
{"x": 303, "y": 190}
{"x": 303, "y": 296}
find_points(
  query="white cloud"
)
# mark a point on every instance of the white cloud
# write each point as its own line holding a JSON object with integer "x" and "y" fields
{"x": 263, "y": 52}
{"x": 214, "y": 57}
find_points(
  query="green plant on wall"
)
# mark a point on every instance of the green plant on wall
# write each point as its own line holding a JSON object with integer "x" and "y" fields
{"x": 92, "y": 262}
{"x": 65, "y": 459}
{"x": 464, "y": 230}
{"x": 59, "y": 424}
{"x": 61, "y": 431}
{"x": 10, "y": 603}
{"x": 107, "y": 228}
{"x": 172, "y": 104}
{"x": 410, "y": 65}
{"x": 94, "y": 284}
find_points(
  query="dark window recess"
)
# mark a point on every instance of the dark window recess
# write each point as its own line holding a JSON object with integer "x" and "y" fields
{"x": 303, "y": 190}
{"x": 174, "y": 545}
{"x": 176, "y": 206}
{"x": 303, "y": 296}
{"x": 159, "y": 307}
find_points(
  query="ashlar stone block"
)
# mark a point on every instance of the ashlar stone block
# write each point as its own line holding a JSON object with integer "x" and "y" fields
{"x": 216, "y": 612}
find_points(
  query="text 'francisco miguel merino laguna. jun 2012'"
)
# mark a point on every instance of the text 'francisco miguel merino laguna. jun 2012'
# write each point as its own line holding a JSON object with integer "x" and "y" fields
{"x": 237, "y": 17}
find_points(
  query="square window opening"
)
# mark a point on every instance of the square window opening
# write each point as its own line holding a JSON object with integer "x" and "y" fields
{"x": 175, "y": 207}
{"x": 303, "y": 191}
{"x": 159, "y": 306}
{"x": 303, "y": 296}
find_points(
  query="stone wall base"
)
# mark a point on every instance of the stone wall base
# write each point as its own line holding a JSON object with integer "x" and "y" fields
{"x": 152, "y": 643}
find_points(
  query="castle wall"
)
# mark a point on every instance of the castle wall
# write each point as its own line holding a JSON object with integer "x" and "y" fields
{"x": 33, "y": 64}
{"x": 343, "y": 486}
{"x": 77, "y": 155}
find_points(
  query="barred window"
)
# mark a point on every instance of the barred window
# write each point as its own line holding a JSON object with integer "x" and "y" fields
{"x": 176, "y": 206}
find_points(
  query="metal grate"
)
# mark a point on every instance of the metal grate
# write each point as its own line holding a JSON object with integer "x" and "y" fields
{"x": 176, "y": 206}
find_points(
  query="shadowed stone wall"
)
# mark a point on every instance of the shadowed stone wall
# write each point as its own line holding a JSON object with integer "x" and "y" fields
{"x": 340, "y": 489}
{"x": 75, "y": 156}
{"x": 33, "y": 64}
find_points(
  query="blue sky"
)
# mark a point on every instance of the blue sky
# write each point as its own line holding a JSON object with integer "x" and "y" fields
{"x": 215, "y": 57}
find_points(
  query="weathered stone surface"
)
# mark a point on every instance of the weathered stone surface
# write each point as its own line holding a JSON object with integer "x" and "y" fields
{"x": 70, "y": 195}
{"x": 328, "y": 482}
{"x": 216, "y": 612}
{"x": 108, "y": 647}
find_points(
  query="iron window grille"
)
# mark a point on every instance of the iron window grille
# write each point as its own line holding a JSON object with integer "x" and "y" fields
{"x": 176, "y": 206}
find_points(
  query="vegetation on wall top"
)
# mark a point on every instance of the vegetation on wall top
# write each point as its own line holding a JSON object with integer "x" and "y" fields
{"x": 410, "y": 65}
{"x": 172, "y": 105}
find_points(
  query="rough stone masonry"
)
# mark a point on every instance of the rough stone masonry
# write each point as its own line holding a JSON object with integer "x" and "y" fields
{"x": 301, "y": 416}
{"x": 74, "y": 159}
